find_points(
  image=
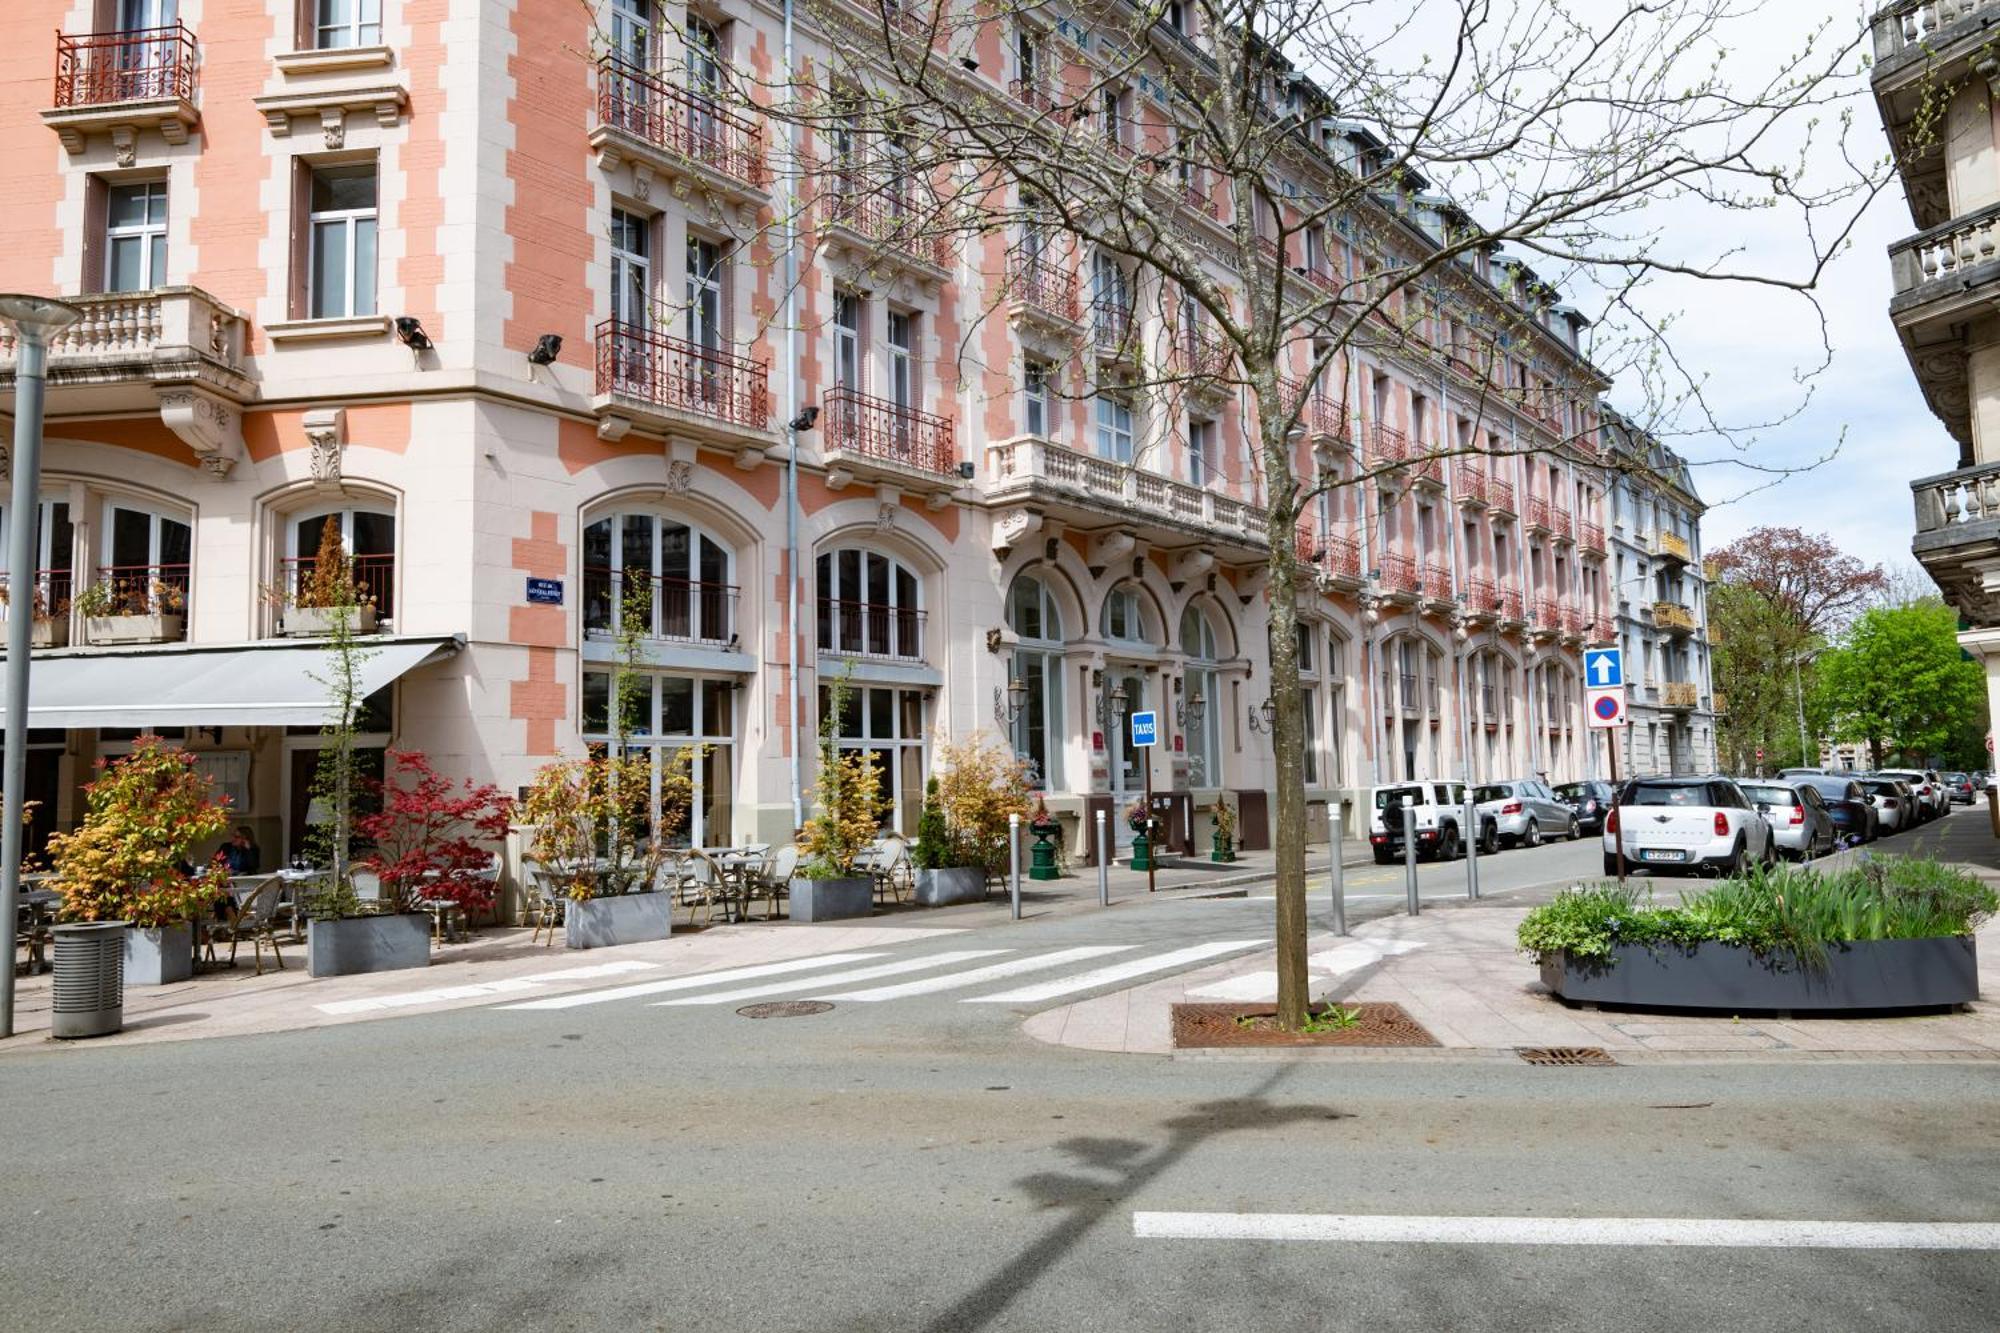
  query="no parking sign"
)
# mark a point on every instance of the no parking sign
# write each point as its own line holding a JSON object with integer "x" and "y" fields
{"x": 1606, "y": 707}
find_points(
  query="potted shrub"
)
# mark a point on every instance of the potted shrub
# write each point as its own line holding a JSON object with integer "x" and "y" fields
{"x": 1045, "y": 860}
{"x": 1222, "y": 846}
{"x": 1145, "y": 826}
{"x": 600, "y": 842}
{"x": 829, "y": 882}
{"x": 144, "y": 815}
{"x": 1883, "y": 935}
{"x": 979, "y": 792}
{"x": 51, "y": 622}
{"x": 945, "y": 871}
{"x": 135, "y": 611}
{"x": 327, "y": 594}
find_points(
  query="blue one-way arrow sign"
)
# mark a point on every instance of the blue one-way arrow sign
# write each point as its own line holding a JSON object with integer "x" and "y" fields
{"x": 1603, "y": 668}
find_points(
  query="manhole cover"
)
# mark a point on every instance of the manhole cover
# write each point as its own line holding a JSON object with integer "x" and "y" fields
{"x": 1563, "y": 1055}
{"x": 785, "y": 1009}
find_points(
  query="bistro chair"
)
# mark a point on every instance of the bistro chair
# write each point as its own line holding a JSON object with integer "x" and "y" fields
{"x": 367, "y": 890}
{"x": 771, "y": 881}
{"x": 34, "y": 929}
{"x": 543, "y": 905}
{"x": 702, "y": 882}
{"x": 254, "y": 919}
{"x": 894, "y": 877}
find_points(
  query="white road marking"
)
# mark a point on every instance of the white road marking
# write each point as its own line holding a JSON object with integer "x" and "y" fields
{"x": 406, "y": 999}
{"x": 1326, "y": 965}
{"x": 1721, "y": 1232}
{"x": 978, "y": 976}
{"x": 1104, "y": 976}
{"x": 690, "y": 982}
{"x": 839, "y": 978}
{"x": 593, "y": 970}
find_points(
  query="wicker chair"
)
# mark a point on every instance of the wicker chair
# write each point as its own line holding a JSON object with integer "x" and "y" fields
{"x": 544, "y": 905}
{"x": 772, "y": 881}
{"x": 254, "y": 919}
{"x": 894, "y": 875}
{"x": 701, "y": 885}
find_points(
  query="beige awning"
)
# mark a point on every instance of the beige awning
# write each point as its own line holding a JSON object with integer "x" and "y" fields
{"x": 277, "y": 684}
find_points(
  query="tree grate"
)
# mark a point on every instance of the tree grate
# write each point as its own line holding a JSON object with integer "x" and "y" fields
{"x": 785, "y": 1009}
{"x": 1564, "y": 1055}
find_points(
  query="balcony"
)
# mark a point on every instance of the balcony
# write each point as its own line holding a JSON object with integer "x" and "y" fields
{"x": 374, "y": 586}
{"x": 1673, "y": 617}
{"x": 1679, "y": 696}
{"x": 1563, "y": 526}
{"x": 1482, "y": 600}
{"x": 870, "y": 629}
{"x": 1035, "y": 478}
{"x": 1335, "y": 558}
{"x": 1400, "y": 580}
{"x": 1042, "y": 299}
{"x": 878, "y": 441}
{"x": 1032, "y": 95}
{"x": 1113, "y": 332}
{"x": 1540, "y": 517}
{"x": 1512, "y": 613}
{"x": 1672, "y": 548}
{"x": 1429, "y": 470}
{"x": 680, "y": 136}
{"x": 1593, "y": 539}
{"x": 1387, "y": 447}
{"x": 1943, "y": 278}
{"x": 1546, "y": 621}
{"x": 1719, "y": 704}
{"x": 668, "y": 385}
{"x": 120, "y": 83}
{"x": 677, "y": 610}
{"x": 1208, "y": 363}
{"x": 1469, "y": 486}
{"x": 1437, "y": 584}
{"x": 881, "y": 226}
{"x": 136, "y": 604}
{"x": 1958, "y": 538}
{"x": 1327, "y": 423}
{"x": 50, "y": 606}
{"x": 1500, "y": 498}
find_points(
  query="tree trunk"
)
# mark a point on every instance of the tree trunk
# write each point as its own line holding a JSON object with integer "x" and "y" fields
{"x": 1288, "y": 719}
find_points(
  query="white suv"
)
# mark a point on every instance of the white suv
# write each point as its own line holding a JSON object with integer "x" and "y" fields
{"x": 1439, "y": 811}
{"x": 1686, "y": 825}
{"x": 1932, "y": 799}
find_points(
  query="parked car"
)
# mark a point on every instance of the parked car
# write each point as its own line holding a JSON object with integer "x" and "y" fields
{"x": 1789, "y": 773}
{"x": 1847, "y": 804}
{"x": 1525, "y": 811}
{"x": 1891, "y": 800}
{"x": 1931, "y": 800}
{"x": 1800, "y": 825}
{"x": 1590, "y": 800}
{"x": 1686, "y": 826}
{"x": 1438, "y": 814}
{"x": 1959, "y": 787}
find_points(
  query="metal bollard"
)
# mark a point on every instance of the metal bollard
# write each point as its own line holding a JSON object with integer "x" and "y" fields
{"x": 1471, "y": 846}
{"x": 1103, "y": 864}
{"x": 1014, "y": 862}
{"x": 1336, "y": 875}
{"x": 1410, "y": 901}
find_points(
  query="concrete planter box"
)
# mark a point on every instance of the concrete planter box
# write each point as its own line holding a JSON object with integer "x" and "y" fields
{"x": 947, "y": 888}
{"x": 159, "y": 957}
{"x": 831, "y": 899}
{"x": 134, "y": 629}
{"x": 317, "y": 622}
{"x": 49, "y": 634}
{"x": 629, "y": 918}
{"x": 1870, "y": 974}
{"x": 368, "y": 944}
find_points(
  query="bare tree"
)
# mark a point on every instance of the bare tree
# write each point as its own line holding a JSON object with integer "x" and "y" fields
{"x": 1295, "y": 186}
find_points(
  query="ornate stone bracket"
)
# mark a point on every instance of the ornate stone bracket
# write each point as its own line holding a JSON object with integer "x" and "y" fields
{"x": 326, "y": 432}
{"x": 207, "y": 424}
{"x": 1190, "y": 565}
{"x": 1109, "y": 546}
{"x": 329, "y": 106}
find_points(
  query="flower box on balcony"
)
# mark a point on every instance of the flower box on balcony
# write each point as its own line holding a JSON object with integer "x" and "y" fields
{"x": 318, "y": 622}
{"x": 49, "y": 634}
{"x": 152, "y": 628}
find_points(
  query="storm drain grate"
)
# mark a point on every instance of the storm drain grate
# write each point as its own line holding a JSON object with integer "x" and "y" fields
{"x": 1564, "y": 1055}
{"x": 785, "y": 1009}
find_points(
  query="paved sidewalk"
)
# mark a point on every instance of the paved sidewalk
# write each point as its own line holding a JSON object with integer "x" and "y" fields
{"x": 1457, "y": 971}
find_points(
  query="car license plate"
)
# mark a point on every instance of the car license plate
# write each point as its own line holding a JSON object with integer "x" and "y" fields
{"x": 1657, "y": 854}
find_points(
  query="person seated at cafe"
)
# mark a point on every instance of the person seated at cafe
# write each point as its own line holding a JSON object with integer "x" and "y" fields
{"x": 240, "y": 853}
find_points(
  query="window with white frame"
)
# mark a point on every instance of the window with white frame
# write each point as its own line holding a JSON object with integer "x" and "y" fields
{"x": 674, "y": 578}
{"x": 367, "y": 535}
{"x": 847, "y": 340}
{"x": 146, "y": 557}
{"x": 55, "y": 559}
{"x": 1035, "y": 419}
{"x": 632, "y": 32}
{"x": 675, "y": 716}
{"x": 146, "y": 15}
{"x": 1200, "y": 681}
{"x": 902, "y": 339}
{"x": 1201, "y": 452}
{"x": 342, "y": 242}
{"x": 887, "y": 724}
{"x": 1038, "y": 727}
{"x": 1122, "y": 621}
{"x": 1309, "y": 696}
{"x": 344, "y": 23}
{"x": 135, "y": 237}
{"x": 631, "y": 268}
{"x": 704, "y": 292}
{"x": 1114, "y": 425}
{"x": 870, "y": 605}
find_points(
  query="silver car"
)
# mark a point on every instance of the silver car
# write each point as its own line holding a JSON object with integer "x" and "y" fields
{"x": 1892, "y": 801}
{"x": 1800, "y": 826}
{"x": 1525, "y": 811}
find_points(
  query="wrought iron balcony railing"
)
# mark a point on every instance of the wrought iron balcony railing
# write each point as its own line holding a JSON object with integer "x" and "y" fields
{"x": 690, "y": 125}
{"x": 877, "y": 428}
{"x": 637, "y": 363}
{"x": 145, "y": 65}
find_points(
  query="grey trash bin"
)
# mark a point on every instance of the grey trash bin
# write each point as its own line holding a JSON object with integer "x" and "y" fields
{"x": 90, "y": 979}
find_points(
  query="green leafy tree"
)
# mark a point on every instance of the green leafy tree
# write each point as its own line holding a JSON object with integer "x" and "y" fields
{"x": 1898, "y": 681}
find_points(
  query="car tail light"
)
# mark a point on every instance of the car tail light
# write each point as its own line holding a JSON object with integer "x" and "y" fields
{"x": 1611, "y": 821}
{"x": 1511, "y": 808}
{"x": 1798, "y": 815}
{"x": 1888, "y": 803}
{"x": 1590, "y": 807}
{"x": 1721, "y": 824}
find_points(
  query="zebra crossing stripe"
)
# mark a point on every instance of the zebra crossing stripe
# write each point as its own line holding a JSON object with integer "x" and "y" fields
{"x": 1125, "y": 971}
{"x": 978, "y": 976}
{"x": 690, "y": 982}
{"x": 839, "y": 978}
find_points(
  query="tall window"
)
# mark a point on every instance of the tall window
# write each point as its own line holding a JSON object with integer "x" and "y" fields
{"x": 1027, "y": 57}
{"x": 870, "y": 605}
{"x": 1035, "y": 399}
{"x": 1114, "y": 118}
{"x": 1110, "y": 287}
{"x": 142, "y": 15}
{"x": 135, "y": 236}
{"x": 631, "y": 268}
{"x": 632, "y": 32}
{"x": 1122, "y": 620}
{"x": 1198, "y": 642}
{"x": 342, "y": 262}
{"x": 146, "y": 557}
{"x": 1114, "y": 426}
{"x": 55, "y": 541}
{"x": 1201, "y": 452}
{"x": 673, "y": 713}
{"x": 681, "y": 574}
{"x": 1038, "y": 728}
{"x": 704, "y": 292}
{"x": 704, "y": 85}
{"x": 1335, "y": 677}
{"x": 847, "y": 340}
{"x": 369, "y": 538}
{"x": 902, "y": 359}
{"x": 1309, "y": 695}
{"x": 887, "y": 724}
{"x": 347, "y": 23}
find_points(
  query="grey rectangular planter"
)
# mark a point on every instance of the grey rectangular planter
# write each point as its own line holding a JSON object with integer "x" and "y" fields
{"x": 1868, "y": 974}
{"x": 628, "y": 918}
{"x": 947, "y": 888}
{"x": 159, "y": 957}
{"x": 831, "y": 899}
{"x": 317, "y": 622}
{"x": 368, "y": 944}
{"x": 161, "y": 628}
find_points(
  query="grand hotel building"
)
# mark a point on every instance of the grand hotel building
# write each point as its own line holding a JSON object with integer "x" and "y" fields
{"x": 261, "y": 205}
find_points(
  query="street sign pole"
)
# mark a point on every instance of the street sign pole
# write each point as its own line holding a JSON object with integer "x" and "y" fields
{"x": 1152, "y": 838}
{"x": 1618, "y": 840}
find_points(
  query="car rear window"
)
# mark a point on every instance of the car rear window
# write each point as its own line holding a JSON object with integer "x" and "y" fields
{"x": 1574, "y": 791}
{"x": 1691, "y": 793}
{"x": 1497, "y": 791}
{"x": 1834, "y": 789}
{"x": 1772, "y": 795}
{"x": 1389, "y": 796}
{"x": 1883, "y": 788}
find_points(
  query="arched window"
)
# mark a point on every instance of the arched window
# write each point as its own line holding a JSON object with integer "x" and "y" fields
{"x": 145, "y": 558}
{"x": 870, "y": 605}
{"x": 1200, "y": 680}
{"x": 1123, "y": 620}
{"x": 674, "y": 579}
{"x": 367, "y": 534}
{"x": 1038, "y": 727}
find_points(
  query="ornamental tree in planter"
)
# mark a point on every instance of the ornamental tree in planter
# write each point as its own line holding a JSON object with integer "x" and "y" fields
{"x": 434, "y": 842}
{"x": 600, "y": 841}
{"x": 946, "y": 872}
{"x": 979, "y": 791}
{"x": 848, "y": 815}
{"x": 132, "y": 611}
{"x": 144, "y": 815}
{"x": 327, "y": 595}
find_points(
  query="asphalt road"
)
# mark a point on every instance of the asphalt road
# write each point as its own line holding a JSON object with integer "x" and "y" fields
{"x": 918, "y": 1164}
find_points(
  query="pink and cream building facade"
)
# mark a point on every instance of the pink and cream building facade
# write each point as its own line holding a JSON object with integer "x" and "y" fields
{"x": 326, "y": 251}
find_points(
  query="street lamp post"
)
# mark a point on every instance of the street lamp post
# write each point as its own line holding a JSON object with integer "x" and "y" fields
{"x": 35, "y": 319}
{"x": 1799, "y": 687}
